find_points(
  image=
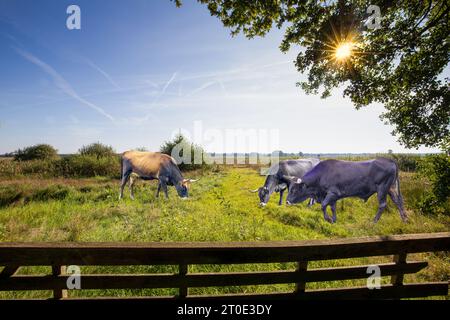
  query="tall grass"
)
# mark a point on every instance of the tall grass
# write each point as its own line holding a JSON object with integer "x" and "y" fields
{"x": 69, "y": 166}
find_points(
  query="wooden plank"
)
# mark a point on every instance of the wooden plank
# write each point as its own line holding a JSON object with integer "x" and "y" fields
{"x": 414, "y": 290}
{"x": 360, "y": 272}
{"x": 216, "y": 252}
{"x": 59, "y": 293}
{"x": 141, "y": 281}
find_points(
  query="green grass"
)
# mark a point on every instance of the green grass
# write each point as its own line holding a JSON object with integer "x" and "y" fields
{"x": 220, "y": 208}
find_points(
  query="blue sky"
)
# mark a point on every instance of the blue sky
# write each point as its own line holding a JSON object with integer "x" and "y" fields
{"x": 139, "y": 70}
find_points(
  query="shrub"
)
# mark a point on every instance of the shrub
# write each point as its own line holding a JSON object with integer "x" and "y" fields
{"x": 177, "y": 148}
{"x": 36, "y": 152}
{"x": 436, "y": 168}
{"x": 98, "y": 150}
{"x": 89, "y": 166}
{"x": 42, "y": 168}
{"x": 406, "y": 162}
{"x": 10, "y": 195}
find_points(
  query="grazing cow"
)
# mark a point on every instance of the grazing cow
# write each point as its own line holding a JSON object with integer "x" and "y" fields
{"x": 276, "y": 179}
{"x": 332, "y": 180}
{"x": 150, "y": 166}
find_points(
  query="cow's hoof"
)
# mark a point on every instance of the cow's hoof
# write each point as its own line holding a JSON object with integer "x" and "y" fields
{"x": 328, "y": 219}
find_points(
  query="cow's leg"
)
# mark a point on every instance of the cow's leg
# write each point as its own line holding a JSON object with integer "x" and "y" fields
{"x": 131, "y": 187}
{"x": 281, "y": 197}
{"x": 382, "y": 203}
{"x": 333, "y": 209}
{"x": 329, "y": 200}
{"x": 125, "y": 177}
{"x": 164, "y": 187}
{"x": 158, "y": 190}
{"x": 396, "y": 197}
{"x": 325, "y": 214}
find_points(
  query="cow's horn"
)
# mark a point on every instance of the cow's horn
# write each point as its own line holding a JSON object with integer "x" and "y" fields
{"x": 253, "y": 191}
{"x": 193, "y": 180}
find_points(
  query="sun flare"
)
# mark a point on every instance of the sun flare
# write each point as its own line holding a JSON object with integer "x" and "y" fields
{"x": 343, "y": 51}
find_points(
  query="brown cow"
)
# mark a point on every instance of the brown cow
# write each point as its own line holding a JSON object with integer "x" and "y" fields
{"x": 150, "y": 166}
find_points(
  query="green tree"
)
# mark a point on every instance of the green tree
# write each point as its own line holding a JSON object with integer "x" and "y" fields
{"x": 397, "y": 64}
{"x": 97, "y": 150}
{"x": 36, "y": 152}
{"x": 177, "y": 148}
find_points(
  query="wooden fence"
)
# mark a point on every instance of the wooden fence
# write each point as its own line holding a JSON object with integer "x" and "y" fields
{"x": 58, "y": 255}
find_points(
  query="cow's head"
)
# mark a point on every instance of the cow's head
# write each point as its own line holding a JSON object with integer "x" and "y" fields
{"x": 264, "y": 196}
{"x": 183, "y": 186}
{"x": 297, "y": 191}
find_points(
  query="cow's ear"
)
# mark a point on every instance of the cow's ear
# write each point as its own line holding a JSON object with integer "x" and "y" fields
{"x": 293, "y": 179}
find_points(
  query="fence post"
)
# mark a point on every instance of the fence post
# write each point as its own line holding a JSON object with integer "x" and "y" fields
{"x": 59, "y": 293}
{"x": 183, "y": 290}
{"x": 301, "y": 270}
{"x": 399, "y": 259}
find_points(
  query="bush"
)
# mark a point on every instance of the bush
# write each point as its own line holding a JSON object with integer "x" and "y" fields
{"x": 98, "y": 150}
{"x": 406, "y": 162}
{"x": 36, "y": 152}
{"x": 177, "y": 148}
{"x": 436, "y": 168}
{"x": 42, "y": 168}
{"x": 9, "y": 195}
{"x": 70, "y": 166}
{"x": 89, "y": 166}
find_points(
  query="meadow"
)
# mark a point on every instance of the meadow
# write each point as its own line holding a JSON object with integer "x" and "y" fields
{"x": 220, "y": 208}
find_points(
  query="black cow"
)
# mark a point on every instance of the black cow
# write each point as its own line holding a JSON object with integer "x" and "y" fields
{"x": 332, "y": 180}
{"x": 276, "y": 180}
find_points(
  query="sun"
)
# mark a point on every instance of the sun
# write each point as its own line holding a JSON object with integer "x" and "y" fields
{"x": 343, "y": 51}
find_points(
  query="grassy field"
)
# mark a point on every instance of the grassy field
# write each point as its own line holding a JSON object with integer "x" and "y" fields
{"x": 220, "y": 208}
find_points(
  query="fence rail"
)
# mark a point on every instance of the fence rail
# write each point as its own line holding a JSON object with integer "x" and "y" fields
{"x": 58, "y": 255}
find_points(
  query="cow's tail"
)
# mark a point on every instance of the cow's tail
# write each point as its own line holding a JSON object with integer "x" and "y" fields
{"x": 397, "y": 182}
{"x": 121, "y": 166}
{"x": 398, "y": 194}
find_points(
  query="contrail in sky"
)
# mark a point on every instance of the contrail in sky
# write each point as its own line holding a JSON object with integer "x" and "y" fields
{"x": 61, "y": 83}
